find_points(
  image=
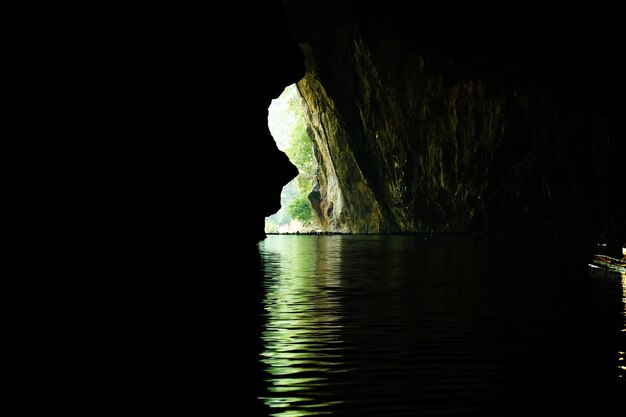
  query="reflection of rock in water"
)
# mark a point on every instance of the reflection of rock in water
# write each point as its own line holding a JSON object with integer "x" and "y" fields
{"x": 353, "y": 319}
{"x": 609, "y": 308}
{"x": 621, "y": 358}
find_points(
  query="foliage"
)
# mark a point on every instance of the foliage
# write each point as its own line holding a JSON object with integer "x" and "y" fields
{"x": 271, "y": 227}
{"x": 299, "y": 150}
{"x": 300, "y": 209}
{"x": 282, "y": 217}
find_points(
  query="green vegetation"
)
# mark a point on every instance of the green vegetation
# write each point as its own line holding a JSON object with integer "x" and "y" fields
{"x": 300, "y": 209}
{"x": 288, "y": 127}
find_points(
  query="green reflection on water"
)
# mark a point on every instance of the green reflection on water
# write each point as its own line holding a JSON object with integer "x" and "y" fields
{"x": 302, "y": 335}
{"x": 621, "y": 355}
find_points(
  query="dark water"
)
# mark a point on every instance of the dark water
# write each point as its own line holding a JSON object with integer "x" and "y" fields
{"x": 449, "y": 325}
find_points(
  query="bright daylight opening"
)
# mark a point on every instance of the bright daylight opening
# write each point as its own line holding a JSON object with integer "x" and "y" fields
{"x": 288, "y": 127}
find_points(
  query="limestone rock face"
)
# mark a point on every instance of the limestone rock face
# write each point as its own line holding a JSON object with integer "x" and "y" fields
{"x": 344, "y": 200}
{"x": 439, "y": 116}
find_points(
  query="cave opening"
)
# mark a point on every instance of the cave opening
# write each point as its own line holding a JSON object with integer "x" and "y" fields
{"x": 288, "y": 128}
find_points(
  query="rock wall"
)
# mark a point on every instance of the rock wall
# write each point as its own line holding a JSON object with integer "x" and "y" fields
{"x": 446, "y": 116}
{"x": 145, "y": 128}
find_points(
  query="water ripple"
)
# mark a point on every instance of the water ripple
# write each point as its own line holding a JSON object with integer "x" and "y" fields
{"x": 400, "y": 326}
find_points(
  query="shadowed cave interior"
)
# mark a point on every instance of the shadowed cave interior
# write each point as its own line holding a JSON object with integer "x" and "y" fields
{"x": 431, "y": 116}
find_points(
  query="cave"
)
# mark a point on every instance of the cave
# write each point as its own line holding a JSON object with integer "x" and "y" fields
{"x": 427, "y": 117}
{"x": 423, "y": 121}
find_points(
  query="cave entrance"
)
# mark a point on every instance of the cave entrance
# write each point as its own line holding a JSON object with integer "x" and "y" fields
{"x": 288, "y": 127}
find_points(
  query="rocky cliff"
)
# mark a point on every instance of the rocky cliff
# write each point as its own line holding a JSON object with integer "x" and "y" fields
{"x": 446, "y": 116}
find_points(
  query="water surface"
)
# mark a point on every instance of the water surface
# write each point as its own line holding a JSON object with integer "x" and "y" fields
{"x": 446, "y": 325}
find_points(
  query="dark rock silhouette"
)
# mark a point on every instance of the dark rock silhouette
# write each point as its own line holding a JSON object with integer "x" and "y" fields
{"x": 150, "y": 118}
{"x": 159, "y": 169}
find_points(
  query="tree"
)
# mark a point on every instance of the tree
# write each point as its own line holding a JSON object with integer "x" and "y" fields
{"x": 289, "y": 121}
{"x": 300, "y": 209}
{"x": 300, "y": 153}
